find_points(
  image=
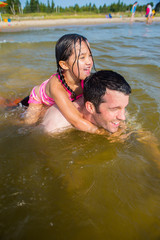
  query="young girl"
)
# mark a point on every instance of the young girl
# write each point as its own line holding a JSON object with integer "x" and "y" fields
{"x": 74, "y": 64}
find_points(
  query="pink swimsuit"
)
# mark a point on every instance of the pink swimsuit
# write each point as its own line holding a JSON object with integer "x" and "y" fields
{"x": 46, "y": 100}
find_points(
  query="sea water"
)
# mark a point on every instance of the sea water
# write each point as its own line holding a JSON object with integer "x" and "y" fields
{"x": 77, "y": 185}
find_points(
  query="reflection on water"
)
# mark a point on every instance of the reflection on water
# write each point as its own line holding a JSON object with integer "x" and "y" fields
{"x": 77, "y": 185}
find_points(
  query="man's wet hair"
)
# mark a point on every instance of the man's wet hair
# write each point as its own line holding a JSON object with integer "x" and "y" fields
{"x": 96, "y": 85}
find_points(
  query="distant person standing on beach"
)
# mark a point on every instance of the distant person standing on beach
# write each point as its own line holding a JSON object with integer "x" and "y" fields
{"x": 149, "y": 13}
{"x": 133, "y": 10}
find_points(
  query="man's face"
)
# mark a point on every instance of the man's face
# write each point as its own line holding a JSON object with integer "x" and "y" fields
{"x": 112, "y": 110}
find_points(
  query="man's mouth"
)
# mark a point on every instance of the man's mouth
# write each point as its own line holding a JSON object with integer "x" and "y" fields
{"x": 116, "y": 124}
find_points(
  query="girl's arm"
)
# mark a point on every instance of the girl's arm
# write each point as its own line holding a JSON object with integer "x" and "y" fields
{"x": 70, "y": 112}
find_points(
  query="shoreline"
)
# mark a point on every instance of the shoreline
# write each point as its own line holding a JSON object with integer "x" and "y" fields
{"x": 30, "y": 24}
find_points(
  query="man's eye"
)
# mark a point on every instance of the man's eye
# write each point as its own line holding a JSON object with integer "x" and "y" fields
{"x": 113, "y": 109}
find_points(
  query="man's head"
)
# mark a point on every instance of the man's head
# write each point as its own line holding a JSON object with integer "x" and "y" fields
{"x": 106, "y": 95}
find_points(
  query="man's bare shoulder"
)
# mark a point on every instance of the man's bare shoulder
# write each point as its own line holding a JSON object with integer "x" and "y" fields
{"x": 54, "y": 121}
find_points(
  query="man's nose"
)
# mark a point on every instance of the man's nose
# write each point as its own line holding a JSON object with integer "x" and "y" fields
{"x": 121, "y": 115}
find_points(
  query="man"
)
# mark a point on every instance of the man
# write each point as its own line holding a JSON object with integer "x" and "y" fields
{"x": 106, "y": 95}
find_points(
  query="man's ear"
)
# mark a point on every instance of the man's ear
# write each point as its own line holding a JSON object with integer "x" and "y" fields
{"x": 90, "y": 107}
{"x": 63, "y": 65}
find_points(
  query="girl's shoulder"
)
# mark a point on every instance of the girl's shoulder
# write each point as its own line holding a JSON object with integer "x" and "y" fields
{"x": 54, "y": 82}
{"x": 54, "y": 79}
{"x": 54, "y": 76}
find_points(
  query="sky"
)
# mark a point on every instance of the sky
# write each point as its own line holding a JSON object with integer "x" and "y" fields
{"x": 65, "y": 3}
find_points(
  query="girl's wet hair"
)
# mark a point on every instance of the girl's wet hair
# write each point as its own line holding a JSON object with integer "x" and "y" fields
{"x": 65, "y": 47}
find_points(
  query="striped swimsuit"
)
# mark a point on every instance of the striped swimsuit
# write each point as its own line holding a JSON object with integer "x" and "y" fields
{"x": 46, "y": 100}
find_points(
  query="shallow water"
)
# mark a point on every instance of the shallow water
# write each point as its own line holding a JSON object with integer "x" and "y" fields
{"x": 78, "y": 185}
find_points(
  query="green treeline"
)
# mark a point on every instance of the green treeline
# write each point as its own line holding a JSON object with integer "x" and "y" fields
{"x": 34, "y": 6}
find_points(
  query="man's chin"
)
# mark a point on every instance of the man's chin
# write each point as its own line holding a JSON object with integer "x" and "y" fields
{"x": 112, "y": 130}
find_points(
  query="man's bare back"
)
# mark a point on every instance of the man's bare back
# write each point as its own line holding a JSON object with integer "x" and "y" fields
{"x": 54, "y": 121}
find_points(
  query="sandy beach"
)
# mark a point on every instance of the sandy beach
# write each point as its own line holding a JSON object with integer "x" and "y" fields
{"x": 36, "y": 23}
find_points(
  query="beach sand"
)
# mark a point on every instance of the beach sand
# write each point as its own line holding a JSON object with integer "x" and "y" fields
{"x": 29, "y": 24}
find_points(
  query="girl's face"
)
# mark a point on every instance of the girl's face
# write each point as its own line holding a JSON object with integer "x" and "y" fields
{"x": 80, "y": 62}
